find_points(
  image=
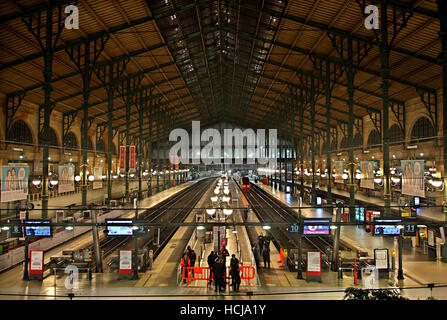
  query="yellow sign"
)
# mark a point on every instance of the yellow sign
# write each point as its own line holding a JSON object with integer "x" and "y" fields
{"x": 405, "y": 213}
{"x": 151, "y": 254}
{"x": 285, "y": 253}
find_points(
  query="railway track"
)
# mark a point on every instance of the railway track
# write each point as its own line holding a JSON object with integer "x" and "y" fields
{"x": 268, "y": 210}
{"x": 184, "y": 200}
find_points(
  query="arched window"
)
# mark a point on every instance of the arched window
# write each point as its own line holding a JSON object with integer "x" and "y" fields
{"x": 70, "y": 141}
{"x": 374, "y": 139}
{"x": 100, "y": 146}
{"x": 358, "y": 141}
{"x": 422, "y": 130}
{"x": 53, "y": 141}
{"x": 395, "y": 134}
{"x": 20, "y": 132}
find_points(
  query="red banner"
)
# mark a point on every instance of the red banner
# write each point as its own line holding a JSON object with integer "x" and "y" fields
{"x": 132, "y": 157}
{"x": 176, "y": 162}
{"x": 123, "y": 157}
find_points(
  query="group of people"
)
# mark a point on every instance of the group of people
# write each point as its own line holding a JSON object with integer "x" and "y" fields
{"x": 263, "y": 249}
{"x": 217, "y": 263}
{"x": 188, "y": 260}
{"x": 218, "y": 268}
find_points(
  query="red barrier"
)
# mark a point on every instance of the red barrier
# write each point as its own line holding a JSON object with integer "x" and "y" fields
{"x": 203, "y": 273}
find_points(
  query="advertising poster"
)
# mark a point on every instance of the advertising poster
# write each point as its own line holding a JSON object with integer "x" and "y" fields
{"x": 381, "y": 259}
{"x": 36, "y": 261}
{"x": 14, "y": 184}
{"x": 125, "y": 261}
{"x": 313, "y": 263}
{"x": 367, "y": 174}
{"x": 413, "y": 178}
{"x": 97, "y": 173}
{"x": 132, "y": 157}
{"x": 339, "y": 167}
{"x": 122, "y": 157}
{"x": 66, "y": 179}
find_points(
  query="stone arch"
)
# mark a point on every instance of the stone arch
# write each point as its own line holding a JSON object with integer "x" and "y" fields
{"x": 21, "y": 132}
{"x": 374, "y": 139}
{"x": 422, "y": 130}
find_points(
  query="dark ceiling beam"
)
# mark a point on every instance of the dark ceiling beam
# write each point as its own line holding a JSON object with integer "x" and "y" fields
{"x": 76, "y": 42}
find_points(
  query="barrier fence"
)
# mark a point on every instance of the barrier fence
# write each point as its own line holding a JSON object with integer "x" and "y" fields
{"x": 204, "y": 273}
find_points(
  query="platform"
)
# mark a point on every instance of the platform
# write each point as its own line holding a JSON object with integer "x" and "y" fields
{"x": 416, "y": 265}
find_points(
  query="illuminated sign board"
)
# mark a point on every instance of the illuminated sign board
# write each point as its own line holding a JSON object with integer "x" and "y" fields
{"x": 113, "y": 229}
{"x": 311, "y": 229}
{"x": 38, "y": 228}
{"x": 386, "y": 230}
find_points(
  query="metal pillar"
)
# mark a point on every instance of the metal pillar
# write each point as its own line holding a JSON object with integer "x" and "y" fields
{"x": 312, "y": 138}
{"x": 328, "y": 134}
{"x": 85, "y": 61}
{"x": 98, "y": 255}
{"x": 110, "y": 144}
{"x": 400, "y": 271}
{"x": 442, "y": 9}
{"x": 109, "y": 75}
{"x": 385, "y": 71}
{"x": 334, "y": 262}
{"x": 351, "y": 184}
{"x": 47, "y": 39}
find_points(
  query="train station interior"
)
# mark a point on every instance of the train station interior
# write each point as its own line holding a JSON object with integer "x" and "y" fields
{"x": 223, "y": 149}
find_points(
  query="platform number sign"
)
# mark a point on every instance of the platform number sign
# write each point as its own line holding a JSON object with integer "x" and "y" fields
{"x": 410, "y": 230}
{"x": 293, "y": 229}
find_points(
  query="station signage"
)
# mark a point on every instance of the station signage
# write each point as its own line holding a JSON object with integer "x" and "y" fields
{"x": 409, "y": 230}
{"x": 312, "y": 228}
{"x": 119, "y": 227}
{"x": 38, "y": 228}
{"x": 386, "y": 230}
{"x": 16, "y": 231}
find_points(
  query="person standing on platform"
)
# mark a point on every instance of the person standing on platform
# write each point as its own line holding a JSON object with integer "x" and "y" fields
{"x": 219, "y": 275}
{"x": 236, "y": 276}
{"x": 184, "y": 263}
{"x": 261, "y": 242}
{"x": 193, "y": 258}
{"x": 267, "y": 242}
{"x": 256, "y": 254}
{"x": 233, "y": 260}
{"x": 224, "y": 254}
{"x": 211, "y": 260}
{"x": 266, "y": 256}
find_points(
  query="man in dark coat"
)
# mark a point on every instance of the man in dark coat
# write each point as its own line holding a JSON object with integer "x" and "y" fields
{"x": 266, "y": 256}
{"x": 236, "y": 276}
{"x": 261, "y": 242}
{"x": 219, "y": 275}
{"x": 211, "y": 260}
{"x": 233, "y": 260}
